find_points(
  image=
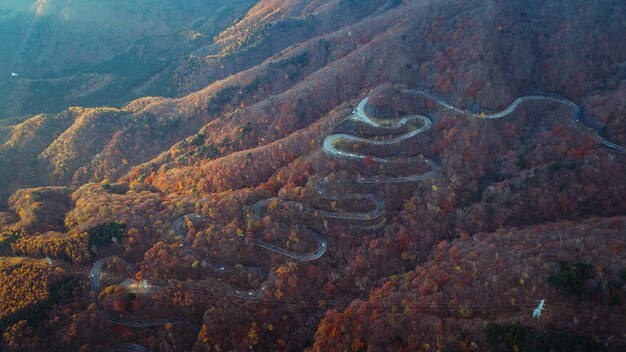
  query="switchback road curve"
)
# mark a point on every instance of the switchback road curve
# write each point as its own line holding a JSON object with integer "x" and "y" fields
{"x": 575, "y": 110}
{"x": 207, "y": 263}
{"x": 383, "y": 125}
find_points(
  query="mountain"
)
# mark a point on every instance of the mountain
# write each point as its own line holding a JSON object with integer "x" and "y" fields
{"x": 327, "y": 175}
{"x": 48, "y": 36}
{"x": 60, "y": 53}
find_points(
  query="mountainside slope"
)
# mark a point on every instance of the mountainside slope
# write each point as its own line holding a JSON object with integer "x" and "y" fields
{"x": 464, "y": 301}
{"x": 302, "y": 80}
{"x": 334, "y": 176}
{"x": 61, "y": 53}
{"x": 62, "y": 34}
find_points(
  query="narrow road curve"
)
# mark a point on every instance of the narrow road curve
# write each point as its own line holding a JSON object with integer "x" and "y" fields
{"x": 320, "y": 186}
{"x": 377, "y": 212}
{"x": 330, "y": 148}
{"x": 131, "y": 347}
{"x": 575, "y": 109}
{"x": 257, "y": 214}
{"x": 359, "y": 115}
{"x": 207, "y": 263}
{"x": 94, "y": 276}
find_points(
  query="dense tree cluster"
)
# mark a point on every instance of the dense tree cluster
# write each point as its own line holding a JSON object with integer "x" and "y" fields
{"x": 41, "y": 209}
{"x": 520, "y": 209}
{"x": 490, "y": 277}
{"x": 104, "y": 234}
{"x": 27, "y": 287}
{"x": 517, "y": 337}
{"x": 72, "y": 248}
{"x": 8, "y": 237}
{"x": 579, "y": 279}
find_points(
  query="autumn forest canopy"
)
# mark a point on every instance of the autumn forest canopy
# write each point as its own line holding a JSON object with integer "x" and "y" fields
{"x": 329, "y": 175}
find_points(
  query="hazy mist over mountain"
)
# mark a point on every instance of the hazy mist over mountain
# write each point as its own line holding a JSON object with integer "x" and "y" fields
{"x": 45, "y": 36}
{"x": 326, "y": 175}
{"x": 89, "y": 53}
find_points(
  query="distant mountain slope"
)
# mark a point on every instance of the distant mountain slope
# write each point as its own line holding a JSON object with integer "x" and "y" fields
{"x": 45, "y": 36}
{"x": 294, "y": 88}
{"x": 148, "y": 128}
{"x": 186, "y": 62}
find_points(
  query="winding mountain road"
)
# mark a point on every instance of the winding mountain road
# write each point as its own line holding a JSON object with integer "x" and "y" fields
{"x": 256, "y": 214}
{"x": 207, "y": 263}
{"x": 131, "y": 347}
{"x": 575, "y": 109}
{"x": 331, "y": 149}
{"x": 384, "y": 125}
{"x": 94, "y": 276}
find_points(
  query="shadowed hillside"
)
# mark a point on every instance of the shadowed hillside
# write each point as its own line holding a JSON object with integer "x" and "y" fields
{"x": 60, "y": 53}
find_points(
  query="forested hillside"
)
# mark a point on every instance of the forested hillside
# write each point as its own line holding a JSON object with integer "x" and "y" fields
{"x": 329, "y": 175}
{"x": 62, "y": 53}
